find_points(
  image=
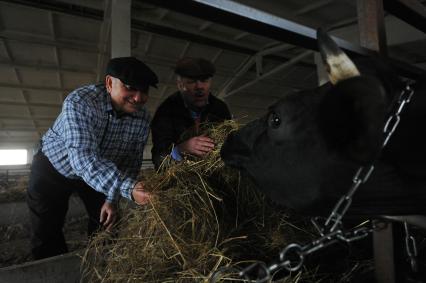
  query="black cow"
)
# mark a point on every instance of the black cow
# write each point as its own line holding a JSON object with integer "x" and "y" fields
{"x": 304, "y": 152}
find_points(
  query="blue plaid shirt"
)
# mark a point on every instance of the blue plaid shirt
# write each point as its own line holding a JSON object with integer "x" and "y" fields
{"x": 88, "y": 141}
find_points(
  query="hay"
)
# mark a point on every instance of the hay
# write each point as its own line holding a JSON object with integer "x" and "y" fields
{"x": 14, "y": 191}
{"x": 203, "y": 217}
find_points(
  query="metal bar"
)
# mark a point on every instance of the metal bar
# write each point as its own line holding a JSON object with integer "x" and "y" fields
{"x": 315, "y": 6}
{"x": 233, "y": 14}
{"x": 245, "y": 66}
{"x": 246, "y": 18}
{"x": 271, "y": 72}
{"x": 409, "y": 11}
{"x": 197, "y": 38}
{"x": 139, "y": 25}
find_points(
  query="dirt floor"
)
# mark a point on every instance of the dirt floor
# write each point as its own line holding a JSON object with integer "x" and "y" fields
{"x": 14, "y": 238}
{"x": 15, "y": 241}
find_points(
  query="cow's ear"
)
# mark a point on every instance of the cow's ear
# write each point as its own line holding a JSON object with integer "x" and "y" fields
{"x": 338, "y": 64}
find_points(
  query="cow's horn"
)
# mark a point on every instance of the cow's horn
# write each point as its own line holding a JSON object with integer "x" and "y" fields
{"x": 338, "y": 64}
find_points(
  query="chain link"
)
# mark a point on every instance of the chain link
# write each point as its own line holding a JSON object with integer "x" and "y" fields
{"x": 410, "y": 248}
{"x": 292, "y": 257}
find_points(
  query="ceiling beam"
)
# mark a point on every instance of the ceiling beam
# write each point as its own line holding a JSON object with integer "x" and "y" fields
{"x": 246, "y": 65}
{"x": 271, "y": 72}
{"x": 8, "y": 142}
{"x": 312, "y": 7}
{"x": 246, "y": 18}
{"x": 19, "y": 79}
{"x": 23, "y": 129}
{"x": 371, "y": 23}
{"x": 21, "y": 118}
{"x": 205, "y": 26}
{"x": 147, "y": 26}
{"x": 47, "y": 67}
{"x": 410, "y": 11}
{"x": 241, "y": 35}
{"x": 60, "y": 7}
{"x": 26, "y": 104}
{"x": 34, "y": 87}
{"x": 32, "y": 38}
{"x": 217, "y": 42}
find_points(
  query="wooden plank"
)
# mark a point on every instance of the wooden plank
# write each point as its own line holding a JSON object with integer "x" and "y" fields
{"x": 371, "y": 25}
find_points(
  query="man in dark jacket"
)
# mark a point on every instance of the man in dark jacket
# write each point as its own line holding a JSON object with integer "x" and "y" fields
{"x": 184, "y": 110}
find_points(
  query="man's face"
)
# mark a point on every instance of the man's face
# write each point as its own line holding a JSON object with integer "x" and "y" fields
{"x": 125, "y": 98}
{"x": 195, "y": 91}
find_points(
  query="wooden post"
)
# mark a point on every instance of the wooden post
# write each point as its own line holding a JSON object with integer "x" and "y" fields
{"x": 371, "y": 25}
{"x": 372, "y": 35}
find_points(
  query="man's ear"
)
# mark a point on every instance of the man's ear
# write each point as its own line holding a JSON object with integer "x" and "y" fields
{"x": 180, "y": 85}
{"x": 108, "y": 83}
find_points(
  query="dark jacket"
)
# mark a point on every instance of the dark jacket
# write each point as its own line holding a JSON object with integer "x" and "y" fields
{"x": 172, "y": 119}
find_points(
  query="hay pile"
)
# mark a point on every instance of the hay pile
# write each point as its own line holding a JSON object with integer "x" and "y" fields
{"x": 203, "y": 217}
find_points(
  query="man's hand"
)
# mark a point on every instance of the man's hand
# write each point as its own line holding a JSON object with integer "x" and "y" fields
{"x": 139, "y": 195}
{"x": 198, "y": 146}
{"x": 108, "y": 215}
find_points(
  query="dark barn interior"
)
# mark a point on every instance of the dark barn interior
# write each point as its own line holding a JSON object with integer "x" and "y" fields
{"x": 261, "y": 51}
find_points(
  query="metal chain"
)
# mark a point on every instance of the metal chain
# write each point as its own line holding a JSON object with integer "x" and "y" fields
{"x": 410, "y": 248}
{"x": 292, "y": 257}
{"x": 363, "y": 173}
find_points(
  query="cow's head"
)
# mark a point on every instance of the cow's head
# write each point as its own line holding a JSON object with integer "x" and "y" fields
{"x": 309, "y": 144}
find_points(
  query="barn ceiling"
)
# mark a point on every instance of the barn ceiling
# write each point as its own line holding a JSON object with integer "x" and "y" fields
{"x": 48, "y": 48}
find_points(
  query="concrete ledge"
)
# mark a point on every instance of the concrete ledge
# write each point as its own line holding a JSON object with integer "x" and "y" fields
{"x": 63, "y": 268}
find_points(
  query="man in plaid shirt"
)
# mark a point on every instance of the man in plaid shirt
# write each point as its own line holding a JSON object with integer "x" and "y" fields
{"x": 95, "y": 148}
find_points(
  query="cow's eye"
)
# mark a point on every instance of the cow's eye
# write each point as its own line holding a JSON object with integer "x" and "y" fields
{"x": 274, "y": 120}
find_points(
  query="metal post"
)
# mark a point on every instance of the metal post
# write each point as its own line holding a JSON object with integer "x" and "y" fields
{"x": 384, "y": 254}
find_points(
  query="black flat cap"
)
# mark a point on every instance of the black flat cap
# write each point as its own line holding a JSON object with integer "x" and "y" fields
{"x": 195, "y": 68}
{"x": 132, "y": 71}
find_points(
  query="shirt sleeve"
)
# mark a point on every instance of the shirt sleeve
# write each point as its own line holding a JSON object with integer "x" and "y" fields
{"x": 83, "y": 152}
{"x": 176, "y": 154}
{"x": 136, "y": 159}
